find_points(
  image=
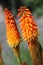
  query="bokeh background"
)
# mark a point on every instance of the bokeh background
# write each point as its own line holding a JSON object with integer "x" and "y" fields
{"x": 36, "y": 7}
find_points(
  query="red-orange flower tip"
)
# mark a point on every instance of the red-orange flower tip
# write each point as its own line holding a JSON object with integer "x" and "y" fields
{"x": 23, "y": 10}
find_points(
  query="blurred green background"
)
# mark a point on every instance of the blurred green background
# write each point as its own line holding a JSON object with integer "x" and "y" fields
{"x": 36, "y": 7}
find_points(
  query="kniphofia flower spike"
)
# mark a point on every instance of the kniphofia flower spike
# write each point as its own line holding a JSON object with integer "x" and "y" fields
{"x": 12, "y": 33}
{"x": 13, "y": 36}
{"x": 30, "y": 33}
{"x": 27, "y": 24}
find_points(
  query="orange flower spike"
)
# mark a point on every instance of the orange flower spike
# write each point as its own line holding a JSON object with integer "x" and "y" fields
{"x": 13, "y": 36}
{"x": 30, "y": 34}
{"x": 27, "y": 24}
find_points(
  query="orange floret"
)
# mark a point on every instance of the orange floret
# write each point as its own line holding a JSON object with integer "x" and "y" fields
{"x": 13, "y": 36}
{"x": 27, "y": 24}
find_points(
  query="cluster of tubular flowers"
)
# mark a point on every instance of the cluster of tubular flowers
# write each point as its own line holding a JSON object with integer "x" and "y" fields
{"x": 12, "y": 33}
{"x": 27, "y": 24}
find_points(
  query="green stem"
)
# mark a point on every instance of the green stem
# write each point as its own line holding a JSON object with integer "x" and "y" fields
{"x": 17, "y": 53}
{"x": 19, "y": 59}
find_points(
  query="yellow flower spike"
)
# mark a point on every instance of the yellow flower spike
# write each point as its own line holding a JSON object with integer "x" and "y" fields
{"x": 12, "y": 33}
{"x": 13, "y": 36}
